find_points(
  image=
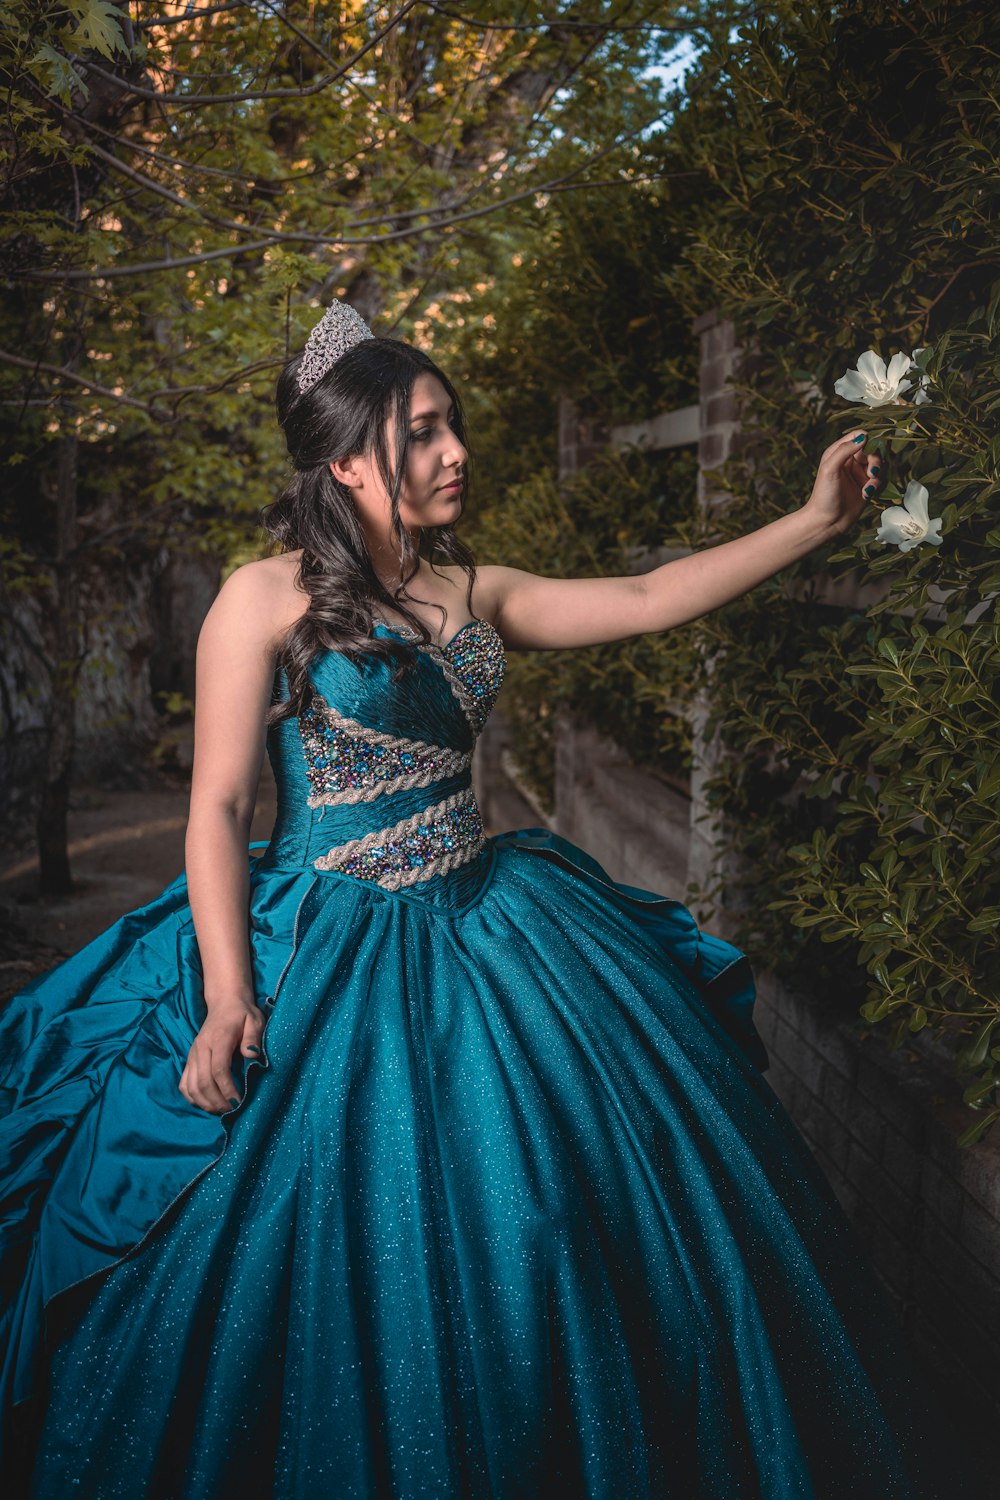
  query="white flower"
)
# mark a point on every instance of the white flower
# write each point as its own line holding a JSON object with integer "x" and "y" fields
{"x": 908, "y": 525}
{"x": 874, "y": 384}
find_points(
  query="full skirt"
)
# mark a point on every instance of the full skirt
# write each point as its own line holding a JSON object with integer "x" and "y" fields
{"x": 507, "y": 1209}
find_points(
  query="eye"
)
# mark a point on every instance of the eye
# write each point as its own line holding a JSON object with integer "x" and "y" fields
{"x": 424, "y": 434}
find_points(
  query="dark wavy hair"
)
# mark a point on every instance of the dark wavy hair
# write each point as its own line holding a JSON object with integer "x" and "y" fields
{"x": 349, "y": 411}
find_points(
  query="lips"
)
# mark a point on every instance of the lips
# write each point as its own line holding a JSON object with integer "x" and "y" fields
{"x": 456, "y": 485}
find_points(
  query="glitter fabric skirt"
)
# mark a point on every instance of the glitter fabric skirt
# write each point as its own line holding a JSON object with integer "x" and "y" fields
{"x": 507, "y": 1209}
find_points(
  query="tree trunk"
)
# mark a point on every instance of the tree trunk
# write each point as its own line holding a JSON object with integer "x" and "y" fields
{"x": 53, "y": 854}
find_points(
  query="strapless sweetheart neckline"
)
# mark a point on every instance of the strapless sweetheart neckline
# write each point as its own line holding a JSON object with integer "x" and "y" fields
{"x": 407, "y": 630}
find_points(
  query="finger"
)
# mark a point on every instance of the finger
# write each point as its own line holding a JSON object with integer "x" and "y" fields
{"x": 866, "y": 471}
{"x": 844, "y": 448}
{"x": 222, "y": 1078}
{"x": 192, "y": 1081}
{"x": 196, "y": 1096}
{"x": 189, "y": 1086}
{"x": 253, "y": 1030}
{"x": 858, "y": 470}
{"x": 205, "y": 1091}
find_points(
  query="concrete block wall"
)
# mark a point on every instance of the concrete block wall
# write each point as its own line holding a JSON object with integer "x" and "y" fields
{"x": 629, "y": 817}
{"x": 883, "y": 1126}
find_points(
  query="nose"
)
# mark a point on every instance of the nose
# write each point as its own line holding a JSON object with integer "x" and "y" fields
{"x": 456, "y": 453}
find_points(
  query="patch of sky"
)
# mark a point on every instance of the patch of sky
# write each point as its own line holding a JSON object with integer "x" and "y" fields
{"x": 682, "y": 58}
{"x": 673, "y": 71}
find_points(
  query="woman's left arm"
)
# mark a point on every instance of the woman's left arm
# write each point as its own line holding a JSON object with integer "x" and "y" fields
{"x": 536, "y": 613}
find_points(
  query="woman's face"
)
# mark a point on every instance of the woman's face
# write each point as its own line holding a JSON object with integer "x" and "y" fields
{"x": 432, "y": 490}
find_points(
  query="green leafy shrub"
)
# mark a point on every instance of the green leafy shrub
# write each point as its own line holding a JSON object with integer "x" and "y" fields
{"x": 592, "y": 524}
{"x": 856, "y": 208}
{"x": 579, "y": 309}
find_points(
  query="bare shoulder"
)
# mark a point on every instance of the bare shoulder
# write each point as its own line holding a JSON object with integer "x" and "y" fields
{"x": 261, "y": 600}
{"x": 494, "y": 583}
{"x": 488, "y": 590}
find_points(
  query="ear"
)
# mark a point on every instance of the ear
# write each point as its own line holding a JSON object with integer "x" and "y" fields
{"x": 346, "y": 470}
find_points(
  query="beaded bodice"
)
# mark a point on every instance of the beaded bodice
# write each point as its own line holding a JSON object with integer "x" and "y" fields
{"x": 374, "y": 778}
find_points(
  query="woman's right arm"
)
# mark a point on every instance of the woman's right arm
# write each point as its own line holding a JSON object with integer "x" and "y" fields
{"x": 233, "y": 680}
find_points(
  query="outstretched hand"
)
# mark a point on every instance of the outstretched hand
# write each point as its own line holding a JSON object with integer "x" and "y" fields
{"x": 207, "y": 1079}
{"x": 846, "y": 479}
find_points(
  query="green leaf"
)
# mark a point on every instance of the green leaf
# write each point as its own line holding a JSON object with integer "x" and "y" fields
{"x": 978, "y": 1091}
{"x": 98, "y": 26}
{"x": 57, "y": 74}
{"x": 986, "y": 922}
{"x": 981, "y": 1041}
{"x": 978, "y": 1129}
{"x": 989, "y": 782}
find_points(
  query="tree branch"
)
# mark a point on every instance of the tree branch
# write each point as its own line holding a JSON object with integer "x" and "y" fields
{"x": 510, "y": 159}
{"x": 567, "y": 23}
{"x": 323, "y": 52}
{"x": 190, "y": 15}
{"x": 168, "y": 394}
{"x": 199, "y": 101}
{"x": 36, "y": 366}
{"x": 144, "y": 268}
{"x": 160, "y": 160}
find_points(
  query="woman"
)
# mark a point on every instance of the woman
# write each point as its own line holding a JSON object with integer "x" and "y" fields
{"x": 506, "y": 1207}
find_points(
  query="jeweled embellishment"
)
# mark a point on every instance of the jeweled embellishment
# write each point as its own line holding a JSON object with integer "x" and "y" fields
{"x": 347, "y": 762}
{"x": 477, "y": 655}
{"x": 432, "y": 842}
{"x": 473, "y": 663}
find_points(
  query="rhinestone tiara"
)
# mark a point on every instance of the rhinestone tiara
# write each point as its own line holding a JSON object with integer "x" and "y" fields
{"x": 339, "y": 329}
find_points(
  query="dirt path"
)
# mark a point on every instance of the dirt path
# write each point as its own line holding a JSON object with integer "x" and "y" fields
{"x": 124, "y": 848}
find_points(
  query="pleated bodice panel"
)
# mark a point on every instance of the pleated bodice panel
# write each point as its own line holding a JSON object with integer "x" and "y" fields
{"x": 374, "y": 778}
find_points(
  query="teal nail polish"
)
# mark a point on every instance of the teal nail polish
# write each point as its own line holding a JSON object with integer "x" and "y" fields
{"x": 860, "y": 437}
{"x": 234, "y": 1102}
{"x": 876, "y": 469}
{"x": 254, "y": 1050}
{"x": 869, "y": 490}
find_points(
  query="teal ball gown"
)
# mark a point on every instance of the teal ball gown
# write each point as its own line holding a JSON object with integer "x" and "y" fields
{"x": 506, "y": 1207}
